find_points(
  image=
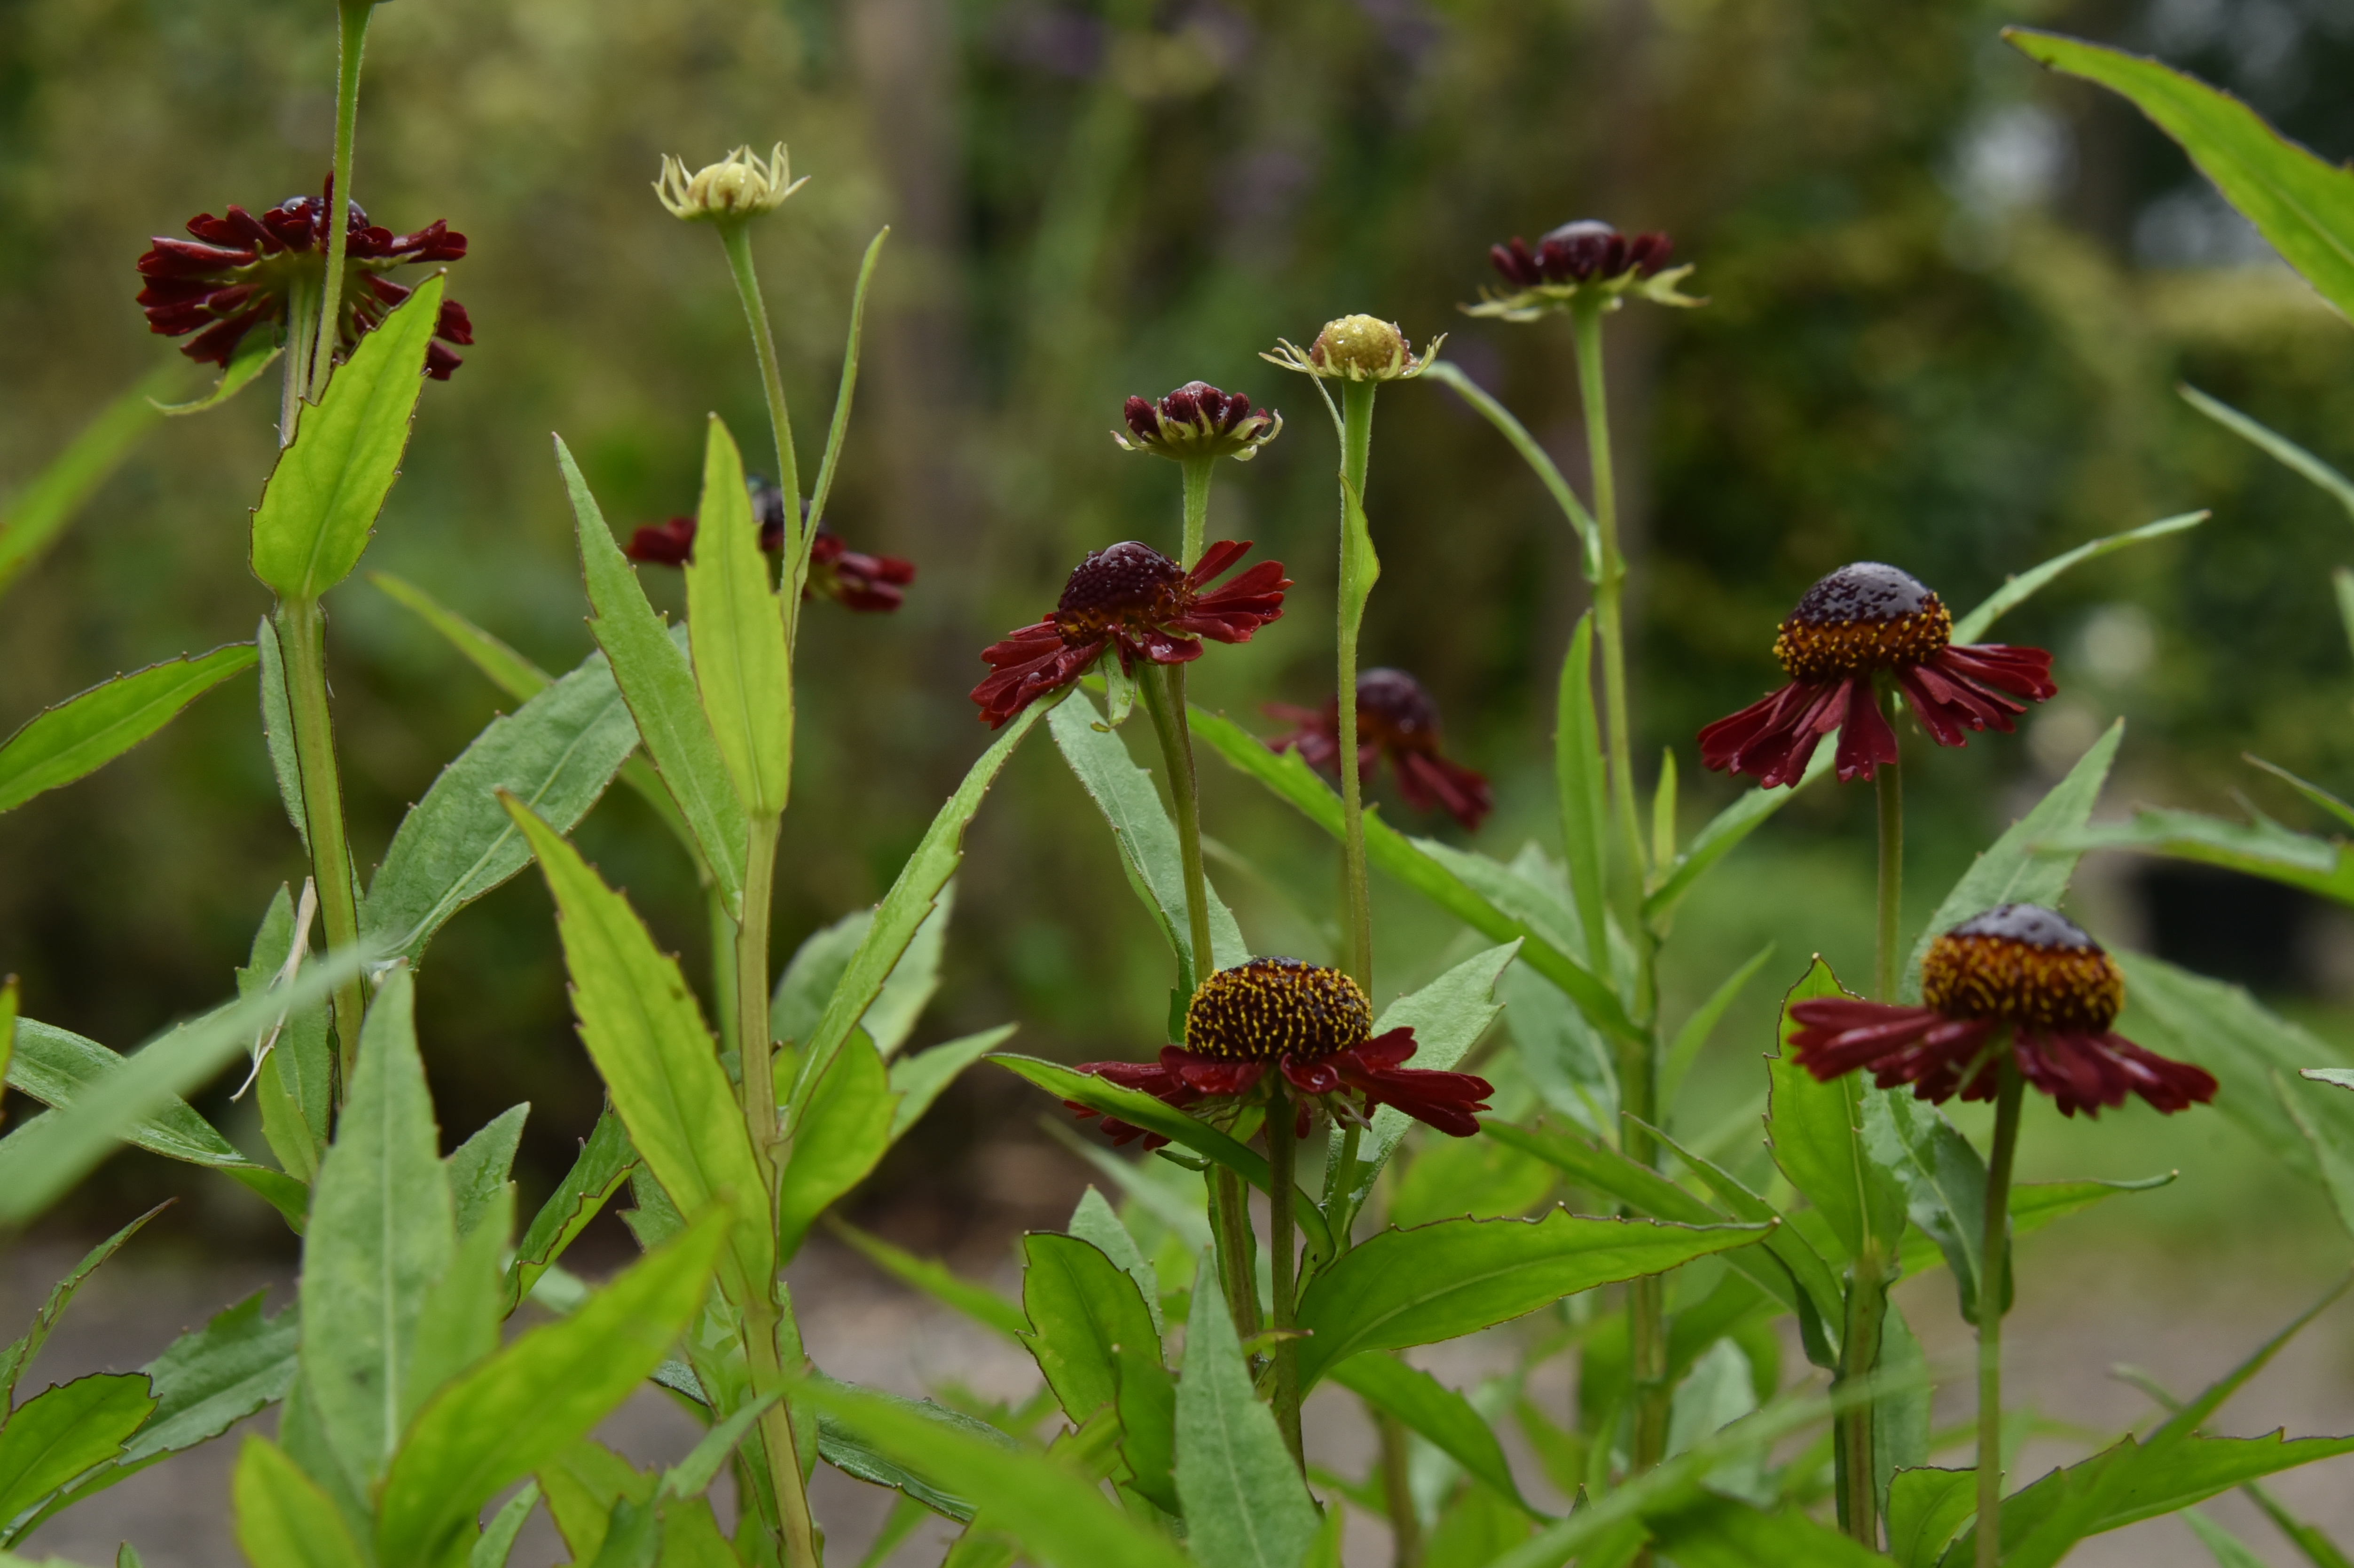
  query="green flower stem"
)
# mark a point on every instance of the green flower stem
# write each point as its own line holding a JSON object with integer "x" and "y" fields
{"x": 1358, "y": 570}
{"x": 1888, "y": 791}
{"x": 302, "y": 643}
{"x": 295, "y": 366}
{"x": 723, "y": 973}
{"x": 1609, "y": 593}
{"x": 757, "y": 1050}
{"x": 1867, "y": 1310}
{"x": 1282, "y": 1151}
{"x": 1339, "y": 1181}
{"x": 353, "y": 16}
{"x": 1993, "y": 1259}
{"x": 1238, "y": 1255}
{"x": 1164, "y": 689}
{"x": 736, "y": 236}
{"x": 762, "y": 1316}
{"x": 1197, "y": 508}
{"x": 1397, "y": 1491}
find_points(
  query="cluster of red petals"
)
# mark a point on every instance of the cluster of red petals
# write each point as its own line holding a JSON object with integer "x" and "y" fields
{"x": 1952, "y": 691}
{"x": 1579, "y": 253}
{"x": 2081, "y": 1070}
{"x": 1350, "y": 1084}
{"x": 1132, "y": 597}
{"x": 1196, "y": 405}
{"x": 221, "y": 287}
{"x": 1395, "y": 718}
{"x": 850, "y": 577}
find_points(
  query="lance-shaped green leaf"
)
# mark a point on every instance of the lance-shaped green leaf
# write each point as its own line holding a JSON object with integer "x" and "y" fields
{"x": 1061, "y": 1520}
{"x": 556, "y": 754}
{"x": 906, "y": 907}
{"x": 17, "y": 1357}
{"x": 657, "y": 682}
{"x": 2263, "y": 847}
{"x": 2331, "y": 1140}
{"x": 1243, "y": 1501}
{"x": 843, "y": 1135}
{"x": 2033, "y": 1205}
{"x": 1945, "y": 1185}
{"x": 645, "y": 1033}
{"x": 1095, "y": 1223}
{"x": 322, "y": 498}
{"x": 1444, "y": 1280}
{"x": 2303, "y": 206}
{"x": 83, "y": 734}
{"x": 2016, "y": 590}
{"x": 498, "y": 1538}
{"x": 842, "y": 1446}
{"x": 382, "y": 1231}
{"x": 1583, "y": 784}
{"x": 480, "y": 1169}
{"x": 1720, "y": 837}
{"x": 2026, "y": 866}
{"x": 978, "y": 1302}
{"x": 8, "y": 1002}
{"x": 1440, "y": 1415}
{"x": 1146, "y": 838}
{"x": 918, "y": 1080}
{"x": 1925, "y": 1507}
{"x": 1389, "y": 850}
{"x": 1723, "y": 1534}
{"x": 293, "y": 1087}
{"x": 738, "y": 631}
{"x": 2274, "y": 445}
{"x": 255, "y": 353}
{"x": 1539, "y": 460}
{"x": 277, "y": 730}
{"x": 284, "y": 1519}
{"x": 1133, "y": 1105}
{"x": 537, "y": 1397}
{"x": 65, "y": 1431}
{"x": 606, "y": 1160}
{"x": 1084, "y": 1310}
{"x": 509, "y": 671}
{"x": 1815, "y": 1131}
{"x": 39, "y": 510}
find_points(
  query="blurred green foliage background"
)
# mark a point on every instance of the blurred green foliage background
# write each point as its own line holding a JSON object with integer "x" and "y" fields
{"x": 1949, "y": 299}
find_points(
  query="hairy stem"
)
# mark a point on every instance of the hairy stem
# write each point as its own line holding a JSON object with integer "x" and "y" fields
{"x": 1340, "y": 1185}
{"x": 1867, "y": 1310}
{"x": 736, "y": 236}
{"x": 1993, "y": 1260}
{"x": 1237, "y": 1259}
{"x": 762, "y": 1316}
{"x": 1282, "y": 1158}
{"x": 352, "y": 19}
{"x": 302, "y": 644}
{"x": 756, "y": 1050}
{"x": 1609, "y": 592}
{"x": 1197, "y": 508}
{"x": 1397, "y": 1492}
{"x": 1888, "y": 791}
{"x": 1357, "y": 571}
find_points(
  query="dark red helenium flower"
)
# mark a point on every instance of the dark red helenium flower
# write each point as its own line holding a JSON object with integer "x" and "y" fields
{"x": 1395, "y": 718}
{"x": 1862, "y": 621}
{"x": 850, "y": 577}
{"x": 2020, "y": 969}
{"x": 1578, "y": 253}
{"x": 239, "y": 272}
{"x": 1314, "y": 1025}
{"x": 1133, "y": 597}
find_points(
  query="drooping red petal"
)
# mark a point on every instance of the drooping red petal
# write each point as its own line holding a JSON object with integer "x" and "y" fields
{"x": 1446, "y": 1101}
{"x": 2022, "y": 672}
{"x": 1427, "y": 780}
{"x": 1865, "y": 740}
{"x": 1773, "y": 739}
{"x": 1031, "y": 663}
{"x": 1215, "y": 559}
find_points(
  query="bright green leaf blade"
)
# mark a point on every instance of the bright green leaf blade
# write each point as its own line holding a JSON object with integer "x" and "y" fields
{"x": 693, "y": 1475}
{"x": 1291, "y": 780}
{"x": 209, "y": 1379}
{"x": 1943, "y": 1181}
{"x": 840, "y": 429}
{"x": 509, "y": 671}
{"x": 918, "y": 1080}
{"x": 1083, "y": 1310}
{"x": 556, "y": 754}
{"x": 1582, "y": 785}
{"x": 2263, "y": 848}
{"x": 892, "y": 1016}
{"x": 645, "y": 1033}
{"x": 842, "y": 1447}
{"x": 57, "y": 1068}
{"x": 1722, "y": 835}
{"x": 1095, "y": 1223}
{"x": 498, "y": 1538}
{"x": 322, "y": 499}
{"x": 15, "y": 1358}
{"x": 1170, "y": 1195}
{"x": 254, "y": 353}
{"x": 8, "y": 1004}
{"x": 605, "y": 1159}
{"x": 738, "y": 633}
{"x": 284, "y": 1518}
{"x": 2026, "y": 866}
{"x": 481, "y": 1167}
{"x": 2313, "y": 793}
{"x": 2331, "y": 1140}
{"x": 1133, "y": 1105}
{"x": 811, "y": 974}
{"x": 1244, "y": 1504}
{"x": 1723, "y": 1534}
{"x": 277, "y": 730}
{"x": 1972, "y": 627}
{"x": 2274, "y": 445}
{"x": 1925, "y": 1507}
{"x": 909, "y": 903}
{"x": 2302, "y": 205}
{"x": 64, "y": 1431}
{"x": 1817, "y": 1133}
{"x": 1443, "y": 1281}
{"x": 543, "y": 1393}
{"x": 294, "y": 1084}
{"x": 2342, "y": 1077}
{"x": 1567, "y": 1060}
{"x": 83, "y": 734}
{"x": 39, "y": 511}
{"x": 978, "y": 1302}
{"x": 1145, "y": 837}
{"x": 382, "y": 1231}
{"x": 659, "y": 686}
{"x": 843, "y": 1133}
{"x": 458, "y": 1323}
{"x": 1061, "y": 1520}
{"x": 1441, "y": 1415}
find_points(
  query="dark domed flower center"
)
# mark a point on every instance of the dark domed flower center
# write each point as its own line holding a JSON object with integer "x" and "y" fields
{"x": 1393, "y": 710}
{"x": 1271, "y": 1008}
{"x": 1860, "y": 619}
{"x": 2023, "y": 964}
{"x": 1128, "y": 584}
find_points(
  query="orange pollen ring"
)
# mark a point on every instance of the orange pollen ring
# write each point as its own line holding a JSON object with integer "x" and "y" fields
{"x": 2015, "y": 982}
{"x": 1271, "y": 1008}
{"x": 1822, "y": 650}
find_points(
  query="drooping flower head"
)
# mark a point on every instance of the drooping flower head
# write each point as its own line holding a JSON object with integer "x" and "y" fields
{"x": 1395, "y": 718}
{"x": 1132, "y": 597}
{"x": 1197, "y": 421}
{"x": 740, "y": 186}
{"x": 1314, "y": 1026}
{"x": 239, "y": 272}
{"x": 2018, "y": 978}
{"x": 850, "y": 577}
{"x": 1859, "y": 623}
{"x": 1582, "y": 259}
{"x": 1357, "y": 348}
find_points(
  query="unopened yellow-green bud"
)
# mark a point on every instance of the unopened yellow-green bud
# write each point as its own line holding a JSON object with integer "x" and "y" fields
{"x": 1358, "y": 348}
{"x": 741, "y": 186}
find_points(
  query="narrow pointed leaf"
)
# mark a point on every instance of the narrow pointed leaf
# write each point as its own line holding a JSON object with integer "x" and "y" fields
{"x": 978, "y": 1302}
{"x": 918, "y": 1080}
{"x": 842, "y": 1446}
{"x": 2274, "y": 445}
{"x": 1721, "y": 836}
{"x": 605, "y": 1159}
{"x": 1582, "y": 786}
{"x": 284, "y": 1520}
{"x": 1084, "y": 1310}
{"x": 17, "y": 1357}
{"x": 844, "y": 1134}
{"x": 254, "y": 353}
{"x": 2263, "y": 848}
{"x": 1440, "y": 1415}
{"x": 41, "y": 508}
{"x": 1244, "y": 1504}
{"x": 65, "y": 1431}
{"x": 294, "y": 1087}
{"x": 1971, "y": 628}
{"x": 479, "y": 1168}
{"x": 278, "y": 729}
{"x": 85, "y": 733}
{"x": 1094, "y": 1222}
{"x": 1817, "y": 1133}
{"x": 738, "y": 632}
{"x": 509, "y": 671}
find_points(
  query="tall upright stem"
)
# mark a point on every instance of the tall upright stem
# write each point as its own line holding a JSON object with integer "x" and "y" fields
{"x": 762, "y": 1316}
{"x": 1867, "y": 1311}
{"x": 1993, "y": 1263}
{"x": 1230, "y": 1229}
{"x": 1197, "y": 508}
{"x": 738, "y": 239}
{"x": 294, "y": 365}
{"x": 1888, "y": 791}
{"x": 302, "y": 646}
{"x": 1164, "y": 689}
{"x": 756, "y": 1050}
{"x": 723, "y": 973}
{"x": 353, "y": 20}
{"x": 1609, "y": 590}
{"x": 1358, "y": 570}
{"x": 1282, "y": 1158}
{"x": 1397, "y": 1492}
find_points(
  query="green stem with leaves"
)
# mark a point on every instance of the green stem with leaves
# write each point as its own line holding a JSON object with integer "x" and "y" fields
{"x": 1359, "y": 567}
{"x": 302, "y": 648}
{"x": 1994, "y": 1257}
{"x": 1867, "y": 1311}
{"x": 1282, "y": 1158}
{"x": 352, "y": 16}
{"x": 294, "y": 365}
{"x": 738, "y": 239}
